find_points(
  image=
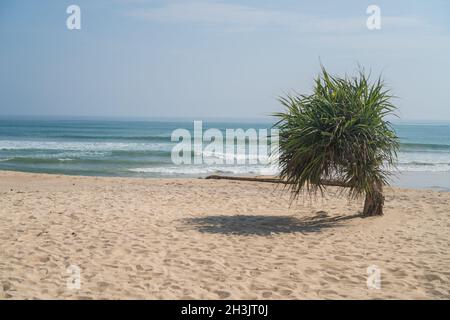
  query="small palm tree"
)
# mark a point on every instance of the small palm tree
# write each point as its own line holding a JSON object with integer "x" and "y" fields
{"x": 338, "y": 136}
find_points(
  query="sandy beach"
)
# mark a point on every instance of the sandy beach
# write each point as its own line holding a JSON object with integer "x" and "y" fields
{"x": 208, "y": 239}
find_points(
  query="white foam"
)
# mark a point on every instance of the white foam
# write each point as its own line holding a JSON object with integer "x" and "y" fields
{"x": 424, "y": 168}
{"x": 235, "y": 156}
{"x": 423, "y": 161}
{"x": 199, "y": 170}
{"x": 82, "y": 146}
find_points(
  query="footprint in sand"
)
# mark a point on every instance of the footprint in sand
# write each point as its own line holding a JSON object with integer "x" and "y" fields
{"x": 223, "y": 294}
{"x": 340, "y": 258}
{"x": 139, "y": 267}
{"x": 102, "y": 285}
{"x": 331, "y": 279}
{"x": 430, "y": 277}
{"x": 310, "y": 271}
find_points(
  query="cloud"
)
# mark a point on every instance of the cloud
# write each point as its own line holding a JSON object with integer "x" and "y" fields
{"x": 235, "y": 16}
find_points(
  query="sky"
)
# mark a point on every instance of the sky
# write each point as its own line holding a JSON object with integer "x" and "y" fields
{"x": 199, "y": 58}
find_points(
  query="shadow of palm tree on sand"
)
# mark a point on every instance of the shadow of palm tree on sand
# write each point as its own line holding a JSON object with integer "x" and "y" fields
{"x": 262, "y": 225}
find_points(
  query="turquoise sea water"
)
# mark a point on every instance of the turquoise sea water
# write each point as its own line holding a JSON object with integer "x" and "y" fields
{"x": 143, "y": 148}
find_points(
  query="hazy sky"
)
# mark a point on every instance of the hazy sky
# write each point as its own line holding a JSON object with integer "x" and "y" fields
{"x": 214, "y": 58}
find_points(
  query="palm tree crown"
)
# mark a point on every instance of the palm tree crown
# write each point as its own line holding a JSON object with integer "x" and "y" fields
{"x": 338, "y": 133}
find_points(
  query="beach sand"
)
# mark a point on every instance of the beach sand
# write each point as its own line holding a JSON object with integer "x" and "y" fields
{"x": 214, "y": 239}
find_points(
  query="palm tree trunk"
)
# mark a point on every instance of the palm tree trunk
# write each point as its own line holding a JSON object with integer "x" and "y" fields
{"x": 373, "y": 205}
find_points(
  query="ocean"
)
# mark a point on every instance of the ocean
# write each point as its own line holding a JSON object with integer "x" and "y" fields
{"x": 143, "y": 148}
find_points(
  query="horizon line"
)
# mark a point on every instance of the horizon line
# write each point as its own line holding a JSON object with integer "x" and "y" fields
{"x": 186, "y": 118}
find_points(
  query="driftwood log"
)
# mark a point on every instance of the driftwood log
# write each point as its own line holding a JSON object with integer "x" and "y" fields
{"x": 332, "y": 183}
